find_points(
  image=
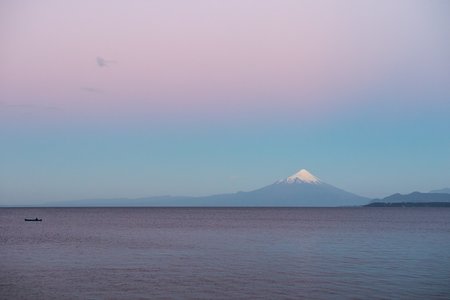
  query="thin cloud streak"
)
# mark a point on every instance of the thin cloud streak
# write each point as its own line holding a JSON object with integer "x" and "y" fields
{"x": 28, "y": 106}
{"x": 90, "y": 89}
{"x": 101, "y": 62}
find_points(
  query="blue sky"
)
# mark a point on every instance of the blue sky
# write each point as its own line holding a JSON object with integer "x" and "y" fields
{"x": 213, "y": 97}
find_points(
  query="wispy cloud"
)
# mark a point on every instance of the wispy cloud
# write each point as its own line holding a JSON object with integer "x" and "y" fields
{"x": 89, "y": 89}
{"x": 4, "y": 105}
{"x": 101, "y": 62}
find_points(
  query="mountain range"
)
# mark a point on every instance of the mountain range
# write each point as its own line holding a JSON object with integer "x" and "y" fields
{"x": 301, "y": 189}
{"x": 415, "y": 197}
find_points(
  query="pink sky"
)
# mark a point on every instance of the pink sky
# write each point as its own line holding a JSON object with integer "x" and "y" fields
{"x": 203, "y": 91}
{"x": 211, "y": 57}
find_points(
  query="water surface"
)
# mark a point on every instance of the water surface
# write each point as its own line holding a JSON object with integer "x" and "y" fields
{"x": 223, "y": 253}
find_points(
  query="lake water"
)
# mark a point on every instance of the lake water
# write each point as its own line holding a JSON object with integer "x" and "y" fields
{"x": 225, "y": 253}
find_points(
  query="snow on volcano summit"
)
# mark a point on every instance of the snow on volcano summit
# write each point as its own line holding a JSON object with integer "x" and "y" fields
{"x": 302, "y": 176}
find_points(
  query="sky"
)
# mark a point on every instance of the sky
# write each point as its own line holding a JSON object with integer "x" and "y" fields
{"x": 107, "y": 99}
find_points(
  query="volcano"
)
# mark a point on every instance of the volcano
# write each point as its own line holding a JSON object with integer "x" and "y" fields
{"x": 302, "y": 189}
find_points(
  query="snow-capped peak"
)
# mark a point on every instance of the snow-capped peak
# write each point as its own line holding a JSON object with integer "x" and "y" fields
{"x": 302, "y": 176}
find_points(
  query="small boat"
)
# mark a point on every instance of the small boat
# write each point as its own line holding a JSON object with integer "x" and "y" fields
{"x": 33, "y": 220}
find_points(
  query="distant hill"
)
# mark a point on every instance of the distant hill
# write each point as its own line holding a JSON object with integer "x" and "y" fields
{"x": 442, "y": 191}
{"x": 415, "y": 197}
{"x": 300, "y": 189}
{"x": 409, "y": 204}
